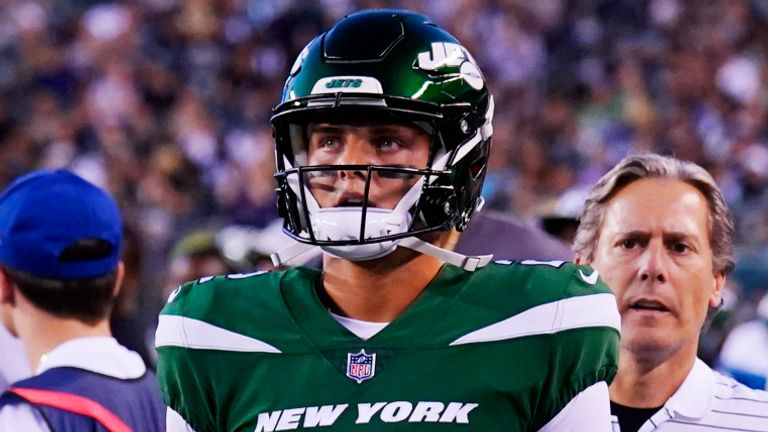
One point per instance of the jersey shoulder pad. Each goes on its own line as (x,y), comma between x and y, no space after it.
(545,281)
(211,295)
(248,304)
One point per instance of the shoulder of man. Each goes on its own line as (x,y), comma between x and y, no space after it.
(735,403)
(208,321)
(514,298)
(18,415)
(528,283)
(559,312)
(248,304)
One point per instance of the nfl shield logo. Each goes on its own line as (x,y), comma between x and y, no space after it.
(361,366)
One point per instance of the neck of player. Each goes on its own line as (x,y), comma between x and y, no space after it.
(648,380)
(378,290)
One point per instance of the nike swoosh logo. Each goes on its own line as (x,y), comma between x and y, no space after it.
(591,279)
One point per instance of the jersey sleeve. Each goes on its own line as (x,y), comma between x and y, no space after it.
(203,323)
(583,350)
(588,411)
(183,386)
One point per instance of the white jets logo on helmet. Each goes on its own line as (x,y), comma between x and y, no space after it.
(445,54)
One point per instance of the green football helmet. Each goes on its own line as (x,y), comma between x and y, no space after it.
(385,65)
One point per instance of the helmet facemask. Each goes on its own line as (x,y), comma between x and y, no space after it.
(371,206)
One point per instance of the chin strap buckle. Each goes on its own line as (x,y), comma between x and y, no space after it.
(282,257)
(469,263)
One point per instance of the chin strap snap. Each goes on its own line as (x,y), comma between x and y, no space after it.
(282,257)
(469,263)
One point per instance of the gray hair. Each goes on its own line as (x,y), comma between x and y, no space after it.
(636,167)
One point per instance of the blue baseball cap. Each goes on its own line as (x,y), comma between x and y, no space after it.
(45,212)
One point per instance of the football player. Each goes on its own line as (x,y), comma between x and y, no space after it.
(382,142)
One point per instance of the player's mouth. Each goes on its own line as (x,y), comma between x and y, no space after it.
(353,200)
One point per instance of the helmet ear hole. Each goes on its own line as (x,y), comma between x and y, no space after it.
(437,206)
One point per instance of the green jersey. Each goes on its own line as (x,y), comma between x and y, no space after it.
(503,348)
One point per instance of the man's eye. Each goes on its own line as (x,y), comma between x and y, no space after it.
(329,142)
(388,143)
(628,243)
(680,248)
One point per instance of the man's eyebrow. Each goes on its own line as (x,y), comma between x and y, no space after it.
(680,235)
(325,127)
(667,235)
(632,233)
(390,127)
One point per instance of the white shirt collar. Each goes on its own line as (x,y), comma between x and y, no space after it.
(693,399)
(100,354)
(362,329)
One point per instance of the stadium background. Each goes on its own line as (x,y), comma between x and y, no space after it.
(166,104)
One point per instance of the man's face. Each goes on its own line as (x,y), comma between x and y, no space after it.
(364,144)
(6,304)
(653,251)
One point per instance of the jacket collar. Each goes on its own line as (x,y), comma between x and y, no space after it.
(102,355)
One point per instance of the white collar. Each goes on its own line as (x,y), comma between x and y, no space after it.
(693,399)
(362,329)
(100,354)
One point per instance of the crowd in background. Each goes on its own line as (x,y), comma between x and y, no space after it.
(166,103)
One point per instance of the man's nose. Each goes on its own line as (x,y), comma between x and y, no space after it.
(653,262)
(356,152)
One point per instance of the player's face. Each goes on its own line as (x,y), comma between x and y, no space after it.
(364,144)
(653,251)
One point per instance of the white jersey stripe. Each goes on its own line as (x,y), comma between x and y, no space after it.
(174,330)
(596,310)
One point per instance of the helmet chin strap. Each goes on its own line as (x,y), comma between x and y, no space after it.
(288,254)
(469,263)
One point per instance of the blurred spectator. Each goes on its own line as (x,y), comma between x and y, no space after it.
(195,256)
(231,249)
(744,355)
(563,220)
(129,321)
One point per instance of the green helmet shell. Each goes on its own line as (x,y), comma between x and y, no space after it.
(393,63)
(403,52)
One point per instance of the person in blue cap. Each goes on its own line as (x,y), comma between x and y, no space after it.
(60,270)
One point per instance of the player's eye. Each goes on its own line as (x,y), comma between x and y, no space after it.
(388,143)
(329,142)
